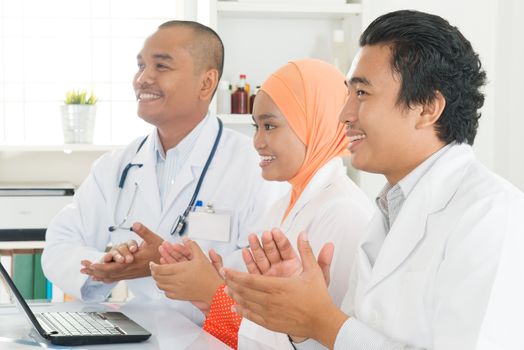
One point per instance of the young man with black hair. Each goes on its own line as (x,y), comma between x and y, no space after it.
(442,264)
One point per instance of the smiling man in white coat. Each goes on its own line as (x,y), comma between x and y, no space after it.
(189,160)
(441,266)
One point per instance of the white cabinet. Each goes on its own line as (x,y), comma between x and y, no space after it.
(48,163)
(259,37)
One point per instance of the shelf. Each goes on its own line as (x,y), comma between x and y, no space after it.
(236,119)
(57,148)
(8,245)
(297,10)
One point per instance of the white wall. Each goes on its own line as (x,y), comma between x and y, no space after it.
(509,69)
(494,29)
(50,47)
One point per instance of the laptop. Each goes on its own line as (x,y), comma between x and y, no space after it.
(79,328)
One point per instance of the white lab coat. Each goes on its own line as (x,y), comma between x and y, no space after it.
(80,230)
(449,273)
(331,209)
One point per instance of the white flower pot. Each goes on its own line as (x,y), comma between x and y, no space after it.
(78,123)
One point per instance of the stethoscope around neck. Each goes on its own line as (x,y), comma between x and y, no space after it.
(180,224)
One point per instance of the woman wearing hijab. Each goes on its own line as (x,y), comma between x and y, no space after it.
(301,141)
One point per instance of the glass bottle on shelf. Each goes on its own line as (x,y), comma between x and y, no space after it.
(239,98)
(252,99)
(247,87)
(224,97)
(340,54)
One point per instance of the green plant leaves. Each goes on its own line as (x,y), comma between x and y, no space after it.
(79,97)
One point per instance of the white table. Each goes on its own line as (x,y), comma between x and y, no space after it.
(171,330)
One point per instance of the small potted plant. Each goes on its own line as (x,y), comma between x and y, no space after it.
(78,117)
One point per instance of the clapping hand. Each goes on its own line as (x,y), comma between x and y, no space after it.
(276,256)
(127,260)
(299,304)
(185,273)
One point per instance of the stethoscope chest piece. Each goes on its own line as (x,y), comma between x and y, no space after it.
(180,225)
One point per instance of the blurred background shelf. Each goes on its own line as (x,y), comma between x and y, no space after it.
(289,10)
(236,119)
(12,245)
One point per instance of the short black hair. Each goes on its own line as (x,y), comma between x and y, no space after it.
(431,55)
(206,49)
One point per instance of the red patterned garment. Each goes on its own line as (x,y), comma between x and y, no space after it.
(221,322)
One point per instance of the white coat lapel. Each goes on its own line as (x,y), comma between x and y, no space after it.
(289,222)
(145,177)
(407,231)
(370,245)
(194,165)
(431,194)
(324,176)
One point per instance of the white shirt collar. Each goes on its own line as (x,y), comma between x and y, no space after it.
(409,181)
(392,197)
(184,146)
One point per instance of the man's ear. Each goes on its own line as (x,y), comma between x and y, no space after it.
(431,111)
(209,84)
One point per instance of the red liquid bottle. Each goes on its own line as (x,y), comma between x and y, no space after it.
(252,99)
(239,98)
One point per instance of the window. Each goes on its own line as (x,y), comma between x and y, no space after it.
(49,47)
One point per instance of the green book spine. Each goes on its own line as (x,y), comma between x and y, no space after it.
(23,271)
(39,286)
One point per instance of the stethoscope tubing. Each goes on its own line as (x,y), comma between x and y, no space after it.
(180,223)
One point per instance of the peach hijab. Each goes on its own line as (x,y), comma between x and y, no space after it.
(310,94)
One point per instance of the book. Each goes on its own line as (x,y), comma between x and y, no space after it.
(39,280)
(23,272)
(25,268)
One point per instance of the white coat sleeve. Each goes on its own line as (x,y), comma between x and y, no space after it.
(355,335)
(502,324)
(78,233)
(478,301)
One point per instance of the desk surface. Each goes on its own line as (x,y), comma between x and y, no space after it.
(170,329)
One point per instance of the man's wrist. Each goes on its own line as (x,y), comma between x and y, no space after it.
(328,324)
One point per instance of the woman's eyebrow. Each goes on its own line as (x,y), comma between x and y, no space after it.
(263,117)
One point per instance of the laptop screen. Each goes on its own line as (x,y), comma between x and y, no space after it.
(21,301)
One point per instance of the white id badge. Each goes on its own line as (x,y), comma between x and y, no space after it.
(211,226)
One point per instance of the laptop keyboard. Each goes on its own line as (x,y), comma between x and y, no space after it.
(80,323)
